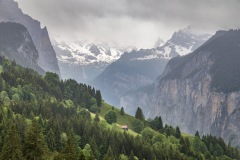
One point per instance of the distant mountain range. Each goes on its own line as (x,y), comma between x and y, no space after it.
(139,68)
(83,60)
(10,12)
(199,91)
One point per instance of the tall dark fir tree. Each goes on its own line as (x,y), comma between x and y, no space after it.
(139,114)
(12,148)
(98,98)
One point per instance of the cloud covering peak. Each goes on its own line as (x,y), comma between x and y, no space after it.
(131,22)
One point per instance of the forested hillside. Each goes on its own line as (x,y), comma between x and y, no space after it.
(47,118)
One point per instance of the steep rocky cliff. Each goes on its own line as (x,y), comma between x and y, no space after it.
(9,11)
(200,91)
(139,68)
(16,44)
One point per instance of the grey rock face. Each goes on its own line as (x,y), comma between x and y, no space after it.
(9,11)
(16,44)
(186,95)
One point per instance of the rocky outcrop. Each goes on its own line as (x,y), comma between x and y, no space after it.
(193,94)
(16,44)
(9,11)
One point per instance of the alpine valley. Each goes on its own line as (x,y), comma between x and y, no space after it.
(200,90)
(177,101)
(140,68)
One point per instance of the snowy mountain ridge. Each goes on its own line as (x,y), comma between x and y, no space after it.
(181,43)
(86,53)
(140,68)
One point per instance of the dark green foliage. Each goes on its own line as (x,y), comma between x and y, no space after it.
(185,145)
(138,125)
(35,146)
(111,117)
(94,109)
(12,148)
(131,157)
(109,155)
(122,111)
(70,151)
(217,147)
(81,156)
(98,98)
(178,133)
(52,78)
(197,134)
(85,114)
(139,114)
(96,118)
(157,123)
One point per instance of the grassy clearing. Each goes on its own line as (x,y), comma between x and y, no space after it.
(186,135)
(121,119)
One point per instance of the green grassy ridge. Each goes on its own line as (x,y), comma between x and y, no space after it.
(125,119)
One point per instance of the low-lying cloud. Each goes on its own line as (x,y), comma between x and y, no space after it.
(130,22)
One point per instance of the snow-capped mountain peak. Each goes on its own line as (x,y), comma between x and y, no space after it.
(181,43)
(187,40)
(84,60)
(159,43)
(85,53)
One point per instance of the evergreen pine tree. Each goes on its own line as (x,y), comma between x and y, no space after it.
(131,156)
(88,153)
(197,134)
(109,155)
(160,123)
(96,118)
(70,151)
(123,151)
(122,111)
(98,98)
(35,146)
(81,156)
(94,148)
(139,114)
(12,148)
(178,133)
(50,138)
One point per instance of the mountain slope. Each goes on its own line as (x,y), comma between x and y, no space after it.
(83,61)
(139,68)
(16,44)
(48,110)
(200,90)
(9,11)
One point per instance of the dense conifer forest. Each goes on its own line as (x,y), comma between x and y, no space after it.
(44,117)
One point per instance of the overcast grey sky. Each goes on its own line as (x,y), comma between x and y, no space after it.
(130,22)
